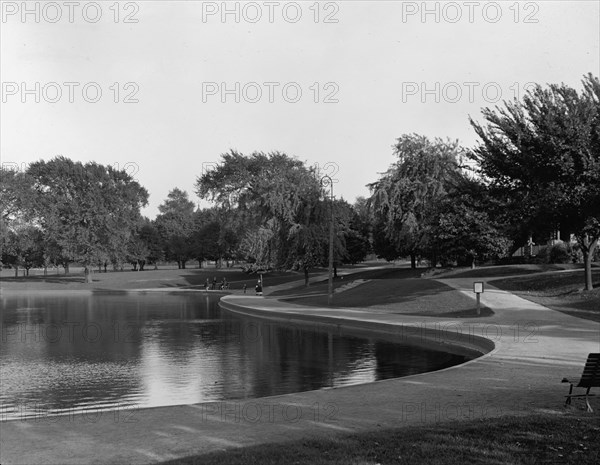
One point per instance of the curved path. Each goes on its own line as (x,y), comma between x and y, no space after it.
(535,347)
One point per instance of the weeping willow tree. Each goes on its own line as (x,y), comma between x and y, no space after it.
(285,200)
(405,199)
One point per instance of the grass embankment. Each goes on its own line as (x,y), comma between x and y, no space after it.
(567,439)
(147,279)
(505,270)
(561,291)
(390,290)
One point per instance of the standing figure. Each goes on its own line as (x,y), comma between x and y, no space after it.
(258,288)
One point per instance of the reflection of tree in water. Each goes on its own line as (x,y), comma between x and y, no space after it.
(288,359)
(395,361)
(165,349)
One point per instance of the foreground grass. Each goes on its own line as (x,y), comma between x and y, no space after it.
(552,438)
(558,291)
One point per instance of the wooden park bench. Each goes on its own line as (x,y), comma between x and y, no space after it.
(590,378)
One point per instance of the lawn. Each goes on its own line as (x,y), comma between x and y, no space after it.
(391,290)
(504,270)
(559,291)
(150,278)
(570,438)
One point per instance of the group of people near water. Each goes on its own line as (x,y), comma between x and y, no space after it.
(225,285)
(215,285)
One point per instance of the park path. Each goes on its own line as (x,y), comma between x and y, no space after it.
(534,348)
(320,277)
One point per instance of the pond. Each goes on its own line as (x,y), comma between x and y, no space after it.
(71,353)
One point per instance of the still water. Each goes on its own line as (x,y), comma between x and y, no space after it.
(70,353)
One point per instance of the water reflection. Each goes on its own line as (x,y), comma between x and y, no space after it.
(76,352)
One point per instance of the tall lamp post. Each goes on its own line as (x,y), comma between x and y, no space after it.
(326,181)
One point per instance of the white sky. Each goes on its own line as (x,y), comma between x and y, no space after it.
(379,58)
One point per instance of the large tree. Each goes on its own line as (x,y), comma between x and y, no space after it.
(216,234)
(16,199)
(542,155)
(176,224)
(23,246)
(150,236)
(405,199)
(284,202)
(465,229)
(88,210)
(358,238)
(16,195)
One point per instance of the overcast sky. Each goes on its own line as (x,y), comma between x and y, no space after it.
(331,83)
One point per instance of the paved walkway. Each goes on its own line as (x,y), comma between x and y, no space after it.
(534,349)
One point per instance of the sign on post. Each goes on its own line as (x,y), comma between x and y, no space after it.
(478,290)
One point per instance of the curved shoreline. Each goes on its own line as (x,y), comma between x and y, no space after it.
(535,348)
(413,333)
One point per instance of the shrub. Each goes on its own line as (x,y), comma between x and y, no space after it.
(560,252)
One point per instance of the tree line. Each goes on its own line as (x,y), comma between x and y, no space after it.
(534,171)
(60,212)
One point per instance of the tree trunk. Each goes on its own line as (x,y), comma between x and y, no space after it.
(16,271)
(587,265)
(413,261)
(88,274)
(472,263)
(306,283)
(142,264)
(200,264)
(66,268)
(588,247)
(46,270)
(183,264)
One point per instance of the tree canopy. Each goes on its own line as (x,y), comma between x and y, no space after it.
(288,227)
(406,197)
(87,210)
(542,156)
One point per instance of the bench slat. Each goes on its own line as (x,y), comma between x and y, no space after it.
(591,372)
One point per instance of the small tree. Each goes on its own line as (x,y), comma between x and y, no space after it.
(175,224)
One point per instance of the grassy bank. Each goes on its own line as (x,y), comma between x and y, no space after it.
(570,438)
(505,270)
(561,291)
(150,278)
(391,290)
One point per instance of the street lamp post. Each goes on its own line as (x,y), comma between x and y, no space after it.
(325,182)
